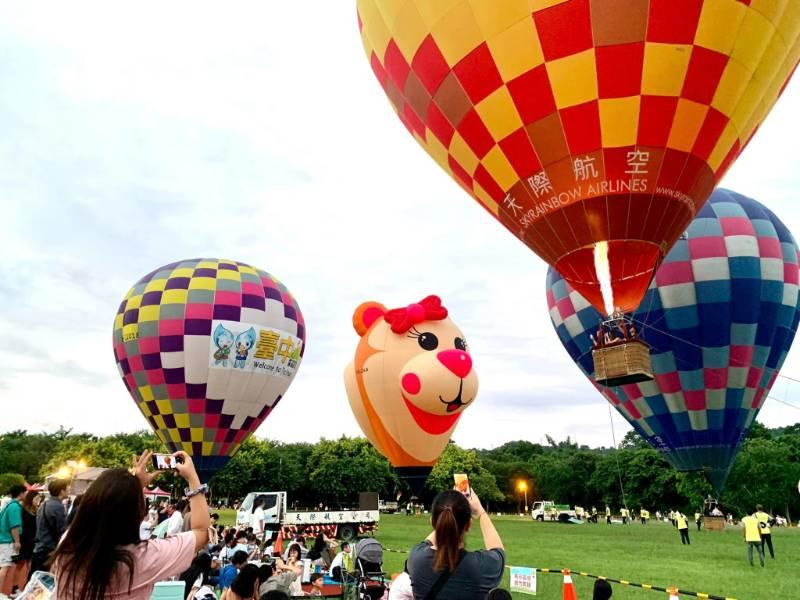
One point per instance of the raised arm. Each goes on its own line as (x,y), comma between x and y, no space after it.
(491,539)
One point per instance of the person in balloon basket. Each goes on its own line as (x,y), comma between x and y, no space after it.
(752,537)
(51,522)
(764,522)
(101,555)
(682,523)
(441,568)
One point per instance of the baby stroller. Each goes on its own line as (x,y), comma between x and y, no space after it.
(369,576)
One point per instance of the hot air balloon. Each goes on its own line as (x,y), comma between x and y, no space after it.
(592,130)
(206,349)
(409,383)
(721,316)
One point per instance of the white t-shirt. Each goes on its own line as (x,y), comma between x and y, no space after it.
(338,561)
(401,588)
(145,529)
(257,521)
(175,524)
(226,554)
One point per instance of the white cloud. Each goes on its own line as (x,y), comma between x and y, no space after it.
(136,136)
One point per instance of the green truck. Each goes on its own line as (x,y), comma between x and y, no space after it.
(547,510)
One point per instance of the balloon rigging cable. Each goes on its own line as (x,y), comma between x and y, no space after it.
(644,326)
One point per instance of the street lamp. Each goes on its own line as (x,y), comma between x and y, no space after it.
(523,487)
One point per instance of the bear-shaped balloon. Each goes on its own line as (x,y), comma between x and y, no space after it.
(410,382)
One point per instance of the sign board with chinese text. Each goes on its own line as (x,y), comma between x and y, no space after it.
(523,580)
(324,517)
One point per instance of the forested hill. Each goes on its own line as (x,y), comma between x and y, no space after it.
(766,471)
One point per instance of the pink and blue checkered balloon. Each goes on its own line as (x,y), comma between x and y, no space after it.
(207,348)
(720,315)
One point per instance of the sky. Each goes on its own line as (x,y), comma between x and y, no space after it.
(132,137)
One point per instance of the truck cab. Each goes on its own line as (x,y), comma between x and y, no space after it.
(549,510)
(274,506)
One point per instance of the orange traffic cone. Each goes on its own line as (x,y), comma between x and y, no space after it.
(673,593)
(569,587)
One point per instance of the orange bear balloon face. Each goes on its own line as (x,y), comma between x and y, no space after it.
(410,381)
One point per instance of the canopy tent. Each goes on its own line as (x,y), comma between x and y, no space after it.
(82,481)
(155,493)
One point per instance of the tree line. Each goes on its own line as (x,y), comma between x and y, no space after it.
(333,472)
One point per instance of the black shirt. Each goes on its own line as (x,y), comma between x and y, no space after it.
(51,521)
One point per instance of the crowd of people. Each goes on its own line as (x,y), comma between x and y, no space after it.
(109,543)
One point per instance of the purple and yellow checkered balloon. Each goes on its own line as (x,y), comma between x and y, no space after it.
(720,316)
(207,348)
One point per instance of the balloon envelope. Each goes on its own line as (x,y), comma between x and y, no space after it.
(592,130)
(206,349)
(409,383)
(720,315)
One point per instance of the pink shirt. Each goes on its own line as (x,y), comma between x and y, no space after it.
(155,560)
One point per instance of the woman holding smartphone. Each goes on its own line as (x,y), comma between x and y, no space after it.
(101,555)
(441,568)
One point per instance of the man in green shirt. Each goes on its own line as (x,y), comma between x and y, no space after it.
(10,531)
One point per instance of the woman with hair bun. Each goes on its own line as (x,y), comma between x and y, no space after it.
(441,568)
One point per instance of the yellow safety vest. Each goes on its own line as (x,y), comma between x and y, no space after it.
(763,521)
(696,516)
(682,524)
(751,531)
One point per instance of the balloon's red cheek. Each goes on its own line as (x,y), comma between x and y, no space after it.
(411,383)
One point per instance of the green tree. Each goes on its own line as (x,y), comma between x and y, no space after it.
(340,469)
(765,472)
(9,479)
(458,460)
(95,452)
(24,453)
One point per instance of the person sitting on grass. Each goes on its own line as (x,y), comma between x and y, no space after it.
(498,594)
(196,578)
(317,582)
(101,555)
(275,595)
(282,577)
(342,563)
(244,586)
(602,590)
(230,571)
(320,553)
(441,567)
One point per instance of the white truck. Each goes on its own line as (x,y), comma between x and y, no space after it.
(341,524)
(547,510)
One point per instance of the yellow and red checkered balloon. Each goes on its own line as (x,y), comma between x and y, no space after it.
(206,349)
(593,130)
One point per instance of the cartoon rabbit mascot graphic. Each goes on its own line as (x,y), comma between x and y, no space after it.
(410,382)
(244,341)
(223,340)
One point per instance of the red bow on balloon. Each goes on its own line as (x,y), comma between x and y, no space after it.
(427,309)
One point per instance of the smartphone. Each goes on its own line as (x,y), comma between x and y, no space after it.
(164,462)
(462,483)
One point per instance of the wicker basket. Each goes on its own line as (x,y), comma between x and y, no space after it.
(714,523)
(622,363)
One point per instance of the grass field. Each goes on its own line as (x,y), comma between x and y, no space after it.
(715,563)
